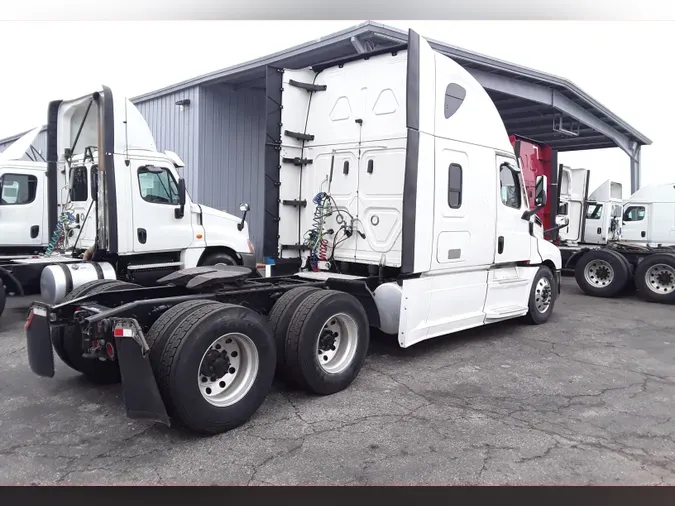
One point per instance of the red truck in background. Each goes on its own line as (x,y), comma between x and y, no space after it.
(535,160)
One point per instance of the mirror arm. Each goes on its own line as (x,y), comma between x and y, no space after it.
(240,225)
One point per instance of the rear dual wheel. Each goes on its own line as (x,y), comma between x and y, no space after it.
(602,273)
(655,278)
(214,364)
(322,338)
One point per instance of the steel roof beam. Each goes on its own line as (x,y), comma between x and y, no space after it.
(552,98)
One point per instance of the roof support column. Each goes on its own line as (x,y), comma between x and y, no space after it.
(635,175)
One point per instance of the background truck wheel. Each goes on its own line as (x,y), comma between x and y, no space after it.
(3,297)
(542,297)
(655,278)
(219,258)
(602,273)
(216,368)
(68,340)
(280,318)
(327,341)
(164,325)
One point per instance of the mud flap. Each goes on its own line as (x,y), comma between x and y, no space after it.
(39,342)
(139,388)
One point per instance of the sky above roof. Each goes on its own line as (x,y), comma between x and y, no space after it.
(619,63)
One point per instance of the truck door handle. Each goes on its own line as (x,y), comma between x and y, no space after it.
(599,230)
(643,233)
(142,235)
(34,231)
(500,244)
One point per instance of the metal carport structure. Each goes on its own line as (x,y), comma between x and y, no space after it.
(534,105)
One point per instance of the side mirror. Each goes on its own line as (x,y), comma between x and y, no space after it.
(244,208)
(94,182)
(180,212)
(539,197)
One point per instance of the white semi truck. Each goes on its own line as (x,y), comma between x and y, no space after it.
(395,201)
(612,245)
(133,222)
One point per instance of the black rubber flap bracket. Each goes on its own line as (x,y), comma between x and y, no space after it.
(232,274)
(308,86)
(39,342)
(139,388)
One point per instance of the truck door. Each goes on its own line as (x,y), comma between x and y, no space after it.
(597,224)
(635,223)
(513,233)
(22,211)
(573,190)
(155,200)
(80,203)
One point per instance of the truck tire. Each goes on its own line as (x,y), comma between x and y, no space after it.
(219,258)
(655,278)
(542,296)
(602,273)
(327,342)
(67,340)
(161,330)
(280,318)
(3,297)
(232,343)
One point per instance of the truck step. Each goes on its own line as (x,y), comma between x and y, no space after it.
(295,203)
(46,260)
(297,161)
(308,86)
(298,135)
(163,265)
(506,312)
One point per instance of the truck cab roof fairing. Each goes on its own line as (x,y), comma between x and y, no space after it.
(19,147)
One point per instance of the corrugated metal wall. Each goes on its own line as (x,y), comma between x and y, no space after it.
(177,131)
(231,154)
(40,143)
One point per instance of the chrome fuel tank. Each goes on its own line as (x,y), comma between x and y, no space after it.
(59,280)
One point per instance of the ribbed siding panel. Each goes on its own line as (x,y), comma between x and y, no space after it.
(177,131)
(231,154)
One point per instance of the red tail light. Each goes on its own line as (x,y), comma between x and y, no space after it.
(29,320)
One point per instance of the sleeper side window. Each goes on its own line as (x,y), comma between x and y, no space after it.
(454,97)
(455,186)
(509,185)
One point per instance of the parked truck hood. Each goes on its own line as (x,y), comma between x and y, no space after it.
(215,213)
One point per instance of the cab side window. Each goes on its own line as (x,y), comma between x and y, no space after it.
(17,189)
(158,186)
(509,184)
(634,213)
(594,212)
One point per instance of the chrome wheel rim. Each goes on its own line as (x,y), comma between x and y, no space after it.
(228,369)
(337,343)
(543,295)
(599,273)
(660,278)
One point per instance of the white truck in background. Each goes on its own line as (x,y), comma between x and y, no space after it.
(135,222)
(395,200)
(613,245)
